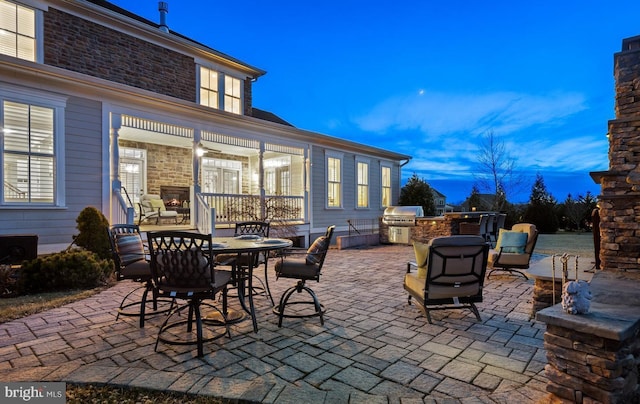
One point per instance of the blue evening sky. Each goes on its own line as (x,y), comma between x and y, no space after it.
(430,78)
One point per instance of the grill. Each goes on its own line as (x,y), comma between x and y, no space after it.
(400,220)
(402,215)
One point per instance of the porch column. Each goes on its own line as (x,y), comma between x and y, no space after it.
(263,210)
(307,184)
(116,125)
(197,159)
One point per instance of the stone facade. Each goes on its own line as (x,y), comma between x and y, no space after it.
(76,44)
(584,367)
(166,165)
(595,357)
(427,228)
(620,197)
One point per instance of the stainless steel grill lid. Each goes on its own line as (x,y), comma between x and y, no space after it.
(402,215)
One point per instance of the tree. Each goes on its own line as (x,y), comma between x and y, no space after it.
(475,200)
(417,192)
(496,171)
(541,209)
(577,212)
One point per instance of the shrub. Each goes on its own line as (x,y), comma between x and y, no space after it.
(74,269)
(93,232)
(8,280)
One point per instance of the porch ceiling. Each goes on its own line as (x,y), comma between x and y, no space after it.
(147,136)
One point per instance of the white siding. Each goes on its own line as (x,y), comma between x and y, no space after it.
(83,180)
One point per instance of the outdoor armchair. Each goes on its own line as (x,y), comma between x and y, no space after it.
(513,249)
(450,274)
(303,266)
(152,207)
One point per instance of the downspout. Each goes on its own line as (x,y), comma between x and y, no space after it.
(400,178)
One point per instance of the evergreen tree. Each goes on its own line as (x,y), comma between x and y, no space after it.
(417,192)
(475,200)
(541,209)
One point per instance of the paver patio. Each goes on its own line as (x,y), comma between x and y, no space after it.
(373,348)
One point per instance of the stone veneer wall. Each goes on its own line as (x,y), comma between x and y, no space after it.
(427,228)
(584,365)
(111,55)
(165,165)
(620,197)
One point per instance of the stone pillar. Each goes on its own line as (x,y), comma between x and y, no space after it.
(620,185)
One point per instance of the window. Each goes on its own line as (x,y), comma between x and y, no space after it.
(17,31)
(209,94)
(221,176)
(220,91)
(232,95)
(28,153)
(132,172)
(363,185)
(277,177)
(334,182)
(386,186)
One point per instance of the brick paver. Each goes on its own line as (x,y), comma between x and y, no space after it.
(373,347)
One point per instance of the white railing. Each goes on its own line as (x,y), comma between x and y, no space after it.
(205,216)
(232,208)
(121,213)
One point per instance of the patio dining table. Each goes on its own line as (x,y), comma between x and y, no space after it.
(250,245)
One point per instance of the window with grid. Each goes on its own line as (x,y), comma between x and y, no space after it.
(386,186)
(334,182)
(232,95)
(209,93)
(28,153)
(17,31)
(363,185)
(132,172)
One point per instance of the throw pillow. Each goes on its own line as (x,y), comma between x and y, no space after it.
(421,250)
(129,248)
(511,241)
(318,245)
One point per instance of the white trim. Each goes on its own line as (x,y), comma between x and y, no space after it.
(338,156)
(37,4)
(358,160)
(58,104)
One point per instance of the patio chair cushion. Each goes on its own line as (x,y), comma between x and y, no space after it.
(129,247)
(157,204)
(511,241)
(421,251)
(313,256)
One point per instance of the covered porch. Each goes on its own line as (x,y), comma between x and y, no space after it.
(221,178)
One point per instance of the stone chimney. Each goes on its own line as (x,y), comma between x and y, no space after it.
(163,7)
(619,200)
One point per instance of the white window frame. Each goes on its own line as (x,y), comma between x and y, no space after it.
(226,94)
(232,95)
(385,188)
(58,105)
(38,7)
(329,155)
(363,184)
(127,156)
(209,89)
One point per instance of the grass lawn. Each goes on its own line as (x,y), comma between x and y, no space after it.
(566,242)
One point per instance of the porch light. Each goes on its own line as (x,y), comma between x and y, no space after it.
(200,151)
